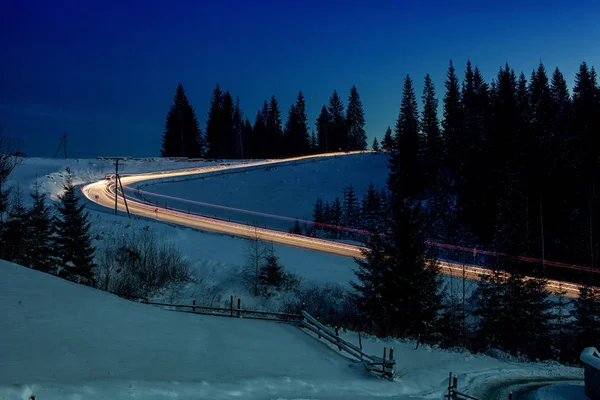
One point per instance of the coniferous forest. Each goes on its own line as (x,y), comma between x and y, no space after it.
(510,165)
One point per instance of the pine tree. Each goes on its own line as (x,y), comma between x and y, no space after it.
(586,312)
(228,139)
(357,137)
(247,140)
(314,144)
(406,168)
(73,241)
(238,129)
(296,132)
(351,208)
(214,125)
(182,136)
(336,217)
(274,129)
(452,123)
(375,146)
(41,234)
(296,229)
(387,143)
(16,232)
(431,129)
(490,308)
(259,139)
(371,210)
(323,131)
(338,128)
(399,285)
(271,275)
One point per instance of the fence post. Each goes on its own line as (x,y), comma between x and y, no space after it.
(360,345)
(391,353)
(231,307)
(450,385)
(510,396)
(455,386)
(239,308)
(193,305)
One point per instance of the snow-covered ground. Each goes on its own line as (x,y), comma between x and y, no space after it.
(59,340)
(288,191)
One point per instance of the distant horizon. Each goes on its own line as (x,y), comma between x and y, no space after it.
(106,73)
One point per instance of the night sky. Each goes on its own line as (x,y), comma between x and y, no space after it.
(106,71)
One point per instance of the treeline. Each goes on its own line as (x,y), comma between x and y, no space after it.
(58,242)
(349,218)
(399,291)
(513,164)
(230,135)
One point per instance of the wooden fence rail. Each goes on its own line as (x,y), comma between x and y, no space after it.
(381,366)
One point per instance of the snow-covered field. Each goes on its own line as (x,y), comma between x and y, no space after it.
(59,340)
(288,191)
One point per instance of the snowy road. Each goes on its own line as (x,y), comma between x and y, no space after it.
(103,193)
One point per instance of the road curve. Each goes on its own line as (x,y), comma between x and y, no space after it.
(103,193)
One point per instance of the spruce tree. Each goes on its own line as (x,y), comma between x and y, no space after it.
(586,314)
(16,232)
(371,210)
(296,132)
(271,276)
(406,175)
(431,129)
(351,208)
(387,143)
(41,234)
(228,139)
(296,229)
(274,132)
(182,136)
(324,131)
(238,130)
(338,128)
(214,125)
(258,143)
(355,116)
(375,146)
(314,144)
(452,123)
(73,241)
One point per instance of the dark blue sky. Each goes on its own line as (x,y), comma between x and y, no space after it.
(106,71)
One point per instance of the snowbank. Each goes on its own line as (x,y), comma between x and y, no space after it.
(591,357)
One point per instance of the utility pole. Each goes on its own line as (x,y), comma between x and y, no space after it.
(63,143)
(118,184)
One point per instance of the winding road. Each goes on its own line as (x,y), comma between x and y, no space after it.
(104,192)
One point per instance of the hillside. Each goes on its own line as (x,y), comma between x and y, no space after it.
(60,340)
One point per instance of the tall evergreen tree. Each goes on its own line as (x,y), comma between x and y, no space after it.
(387,143)
(296,137)
(355,115)
(73,241)
(338,128)
(586,313)
(182,136)
(274,129)
(41,234)
(214,125)
(375,147)
(324,131)
(15,232)
(371,210)
(238,130)
(258,143)
(228,134)
(406,167)
(314,144)
(453,123)
(351,208)
(431,129)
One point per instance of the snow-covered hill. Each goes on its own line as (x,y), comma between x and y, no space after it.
(59,340)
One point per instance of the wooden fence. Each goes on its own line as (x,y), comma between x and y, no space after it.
(380,366)
(233,311)
(454,394)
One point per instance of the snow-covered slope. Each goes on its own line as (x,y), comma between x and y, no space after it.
(289,191)
(59,340)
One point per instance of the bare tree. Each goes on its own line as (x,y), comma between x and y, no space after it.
(255,258)
(10,157)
